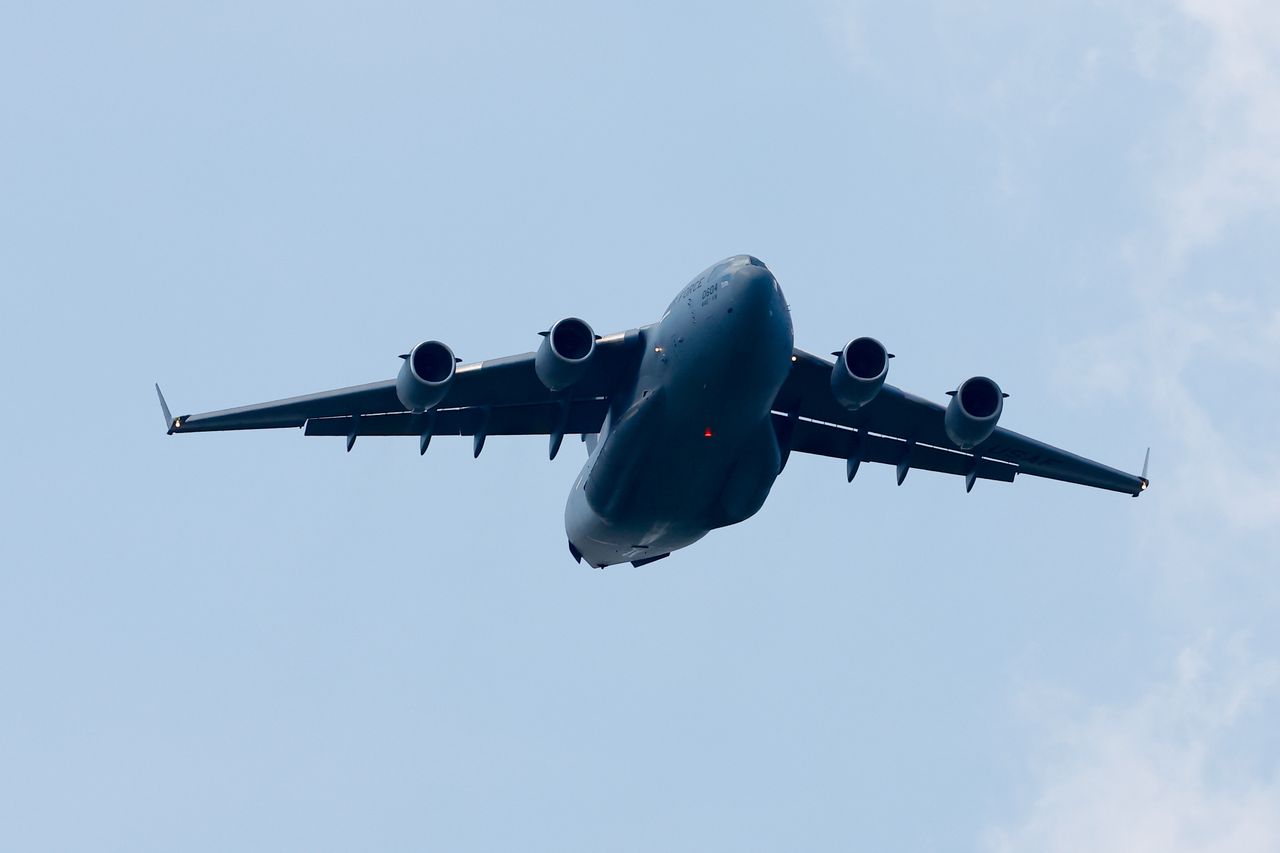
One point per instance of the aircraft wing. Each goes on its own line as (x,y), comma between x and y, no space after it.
(497,397)
(901,429)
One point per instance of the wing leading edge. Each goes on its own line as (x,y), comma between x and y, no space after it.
(907,431)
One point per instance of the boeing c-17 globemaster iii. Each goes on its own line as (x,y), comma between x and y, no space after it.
(687,421)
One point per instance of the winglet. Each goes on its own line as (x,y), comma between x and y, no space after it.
(170,424)
(1146,461)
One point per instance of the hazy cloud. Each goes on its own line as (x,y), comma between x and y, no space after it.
(1174,769)
(1215,167)
(1178,768)
(1169,772)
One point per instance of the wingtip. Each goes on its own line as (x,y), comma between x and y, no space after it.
(1143,480)
(169,423)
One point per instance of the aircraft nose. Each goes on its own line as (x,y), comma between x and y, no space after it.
(757,336)
(754,290)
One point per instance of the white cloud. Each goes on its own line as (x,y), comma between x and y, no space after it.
(1165,773)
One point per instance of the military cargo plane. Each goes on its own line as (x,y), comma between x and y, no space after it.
(688,421)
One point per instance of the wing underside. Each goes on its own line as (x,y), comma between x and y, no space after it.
(577,416)
(497,397)
(858,446)
(901,429)
(504,397)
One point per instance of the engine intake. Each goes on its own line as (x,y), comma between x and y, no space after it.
(565,353)
(973,412)
(425,376)
(859,372)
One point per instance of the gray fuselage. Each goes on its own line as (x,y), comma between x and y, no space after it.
(691,446)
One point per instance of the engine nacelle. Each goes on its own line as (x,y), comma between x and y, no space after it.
(859,372)
(425,376)
(973,412)
(565,353)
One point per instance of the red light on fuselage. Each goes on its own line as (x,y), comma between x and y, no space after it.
(706,433)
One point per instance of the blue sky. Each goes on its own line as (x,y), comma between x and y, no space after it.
(258,641)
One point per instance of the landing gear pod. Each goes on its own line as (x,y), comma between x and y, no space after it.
(973,412)
(425,376)
(565,353)
(859,372)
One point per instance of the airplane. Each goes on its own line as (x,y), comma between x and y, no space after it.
(687,422)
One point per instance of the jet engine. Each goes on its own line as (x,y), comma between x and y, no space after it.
(565,353)
(974,409)
(859,372)
(425,376)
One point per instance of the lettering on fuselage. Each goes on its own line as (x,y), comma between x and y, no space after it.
(710,293)
(700,292)
(690,288)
